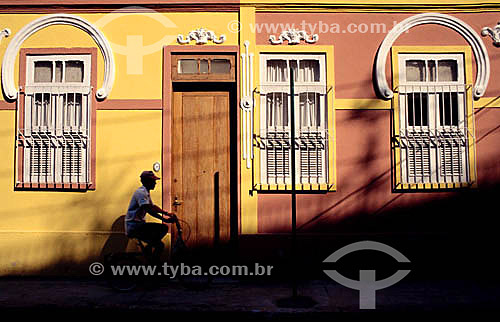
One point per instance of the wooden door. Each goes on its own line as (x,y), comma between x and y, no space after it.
(200,166)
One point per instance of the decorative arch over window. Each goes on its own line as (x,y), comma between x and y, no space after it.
(478,48)
(9,59)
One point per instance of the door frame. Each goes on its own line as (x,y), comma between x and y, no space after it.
(167,99)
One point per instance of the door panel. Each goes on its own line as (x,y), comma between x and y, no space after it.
(200,165)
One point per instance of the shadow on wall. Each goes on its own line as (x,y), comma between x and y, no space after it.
(117,240)
(75,233)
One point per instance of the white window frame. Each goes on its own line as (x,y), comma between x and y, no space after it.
(321,132)
(428,144)
(67,130)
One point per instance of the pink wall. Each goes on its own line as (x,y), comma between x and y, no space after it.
(364,187)
(355,52)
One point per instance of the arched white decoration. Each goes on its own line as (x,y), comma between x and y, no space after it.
(9,59)
(480,53)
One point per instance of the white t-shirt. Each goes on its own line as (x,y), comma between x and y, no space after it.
(135,213)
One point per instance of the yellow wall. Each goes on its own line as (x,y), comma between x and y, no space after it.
(40,229)
(62,232)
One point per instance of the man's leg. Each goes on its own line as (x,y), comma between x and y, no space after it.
(153,233)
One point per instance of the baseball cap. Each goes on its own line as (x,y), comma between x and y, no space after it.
(149,175)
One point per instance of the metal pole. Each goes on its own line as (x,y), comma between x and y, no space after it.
(292,170)
(295,301)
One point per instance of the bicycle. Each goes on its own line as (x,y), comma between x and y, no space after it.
(130,263)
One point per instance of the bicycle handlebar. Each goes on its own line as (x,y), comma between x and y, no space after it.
(177,223)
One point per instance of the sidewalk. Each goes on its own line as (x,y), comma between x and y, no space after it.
(243,299)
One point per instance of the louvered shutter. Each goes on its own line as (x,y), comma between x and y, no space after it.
(419,160)
(278,156)
(312,157)
(452,159)
(417,157)
(40,158)
(72,159)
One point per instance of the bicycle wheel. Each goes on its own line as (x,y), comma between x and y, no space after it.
(121,271)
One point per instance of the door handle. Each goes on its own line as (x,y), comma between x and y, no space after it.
(177,201)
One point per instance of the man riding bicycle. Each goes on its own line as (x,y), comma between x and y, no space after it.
(135,223)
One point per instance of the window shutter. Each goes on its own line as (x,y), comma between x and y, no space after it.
(451,156)
(278,156)
(419,161)
(278,162)
(40,157)
(312,154)
(311,162)
(72,158)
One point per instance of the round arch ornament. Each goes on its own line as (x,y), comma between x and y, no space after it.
(474,40)
(8,84)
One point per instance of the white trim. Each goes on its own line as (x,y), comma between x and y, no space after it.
(293,36)
(480,52)
(201,36)
(494,34)
(9,59)
(247,104)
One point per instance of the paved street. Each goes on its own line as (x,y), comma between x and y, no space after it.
(242,298)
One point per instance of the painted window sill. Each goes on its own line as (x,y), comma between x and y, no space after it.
(300,188)
(430,187)
(55,186)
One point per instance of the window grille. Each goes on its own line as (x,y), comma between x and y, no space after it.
(54,126)
(311,145)
(432,118)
